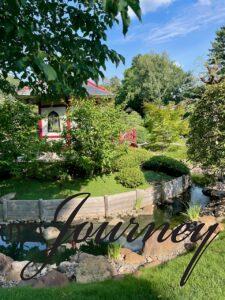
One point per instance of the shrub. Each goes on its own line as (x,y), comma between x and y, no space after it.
(133,158)
(95,138)
(167,165)
(202,179)
(166,124)
(131,177)
(44,170)
(91,247)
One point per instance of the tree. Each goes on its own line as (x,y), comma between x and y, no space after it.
(217,52)
(166,124)
(114,85)
(152,78)
(56,46)
(95,138)
(206,144)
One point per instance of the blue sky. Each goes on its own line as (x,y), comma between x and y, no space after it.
(182,28)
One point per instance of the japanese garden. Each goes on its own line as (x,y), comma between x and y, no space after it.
(145,147)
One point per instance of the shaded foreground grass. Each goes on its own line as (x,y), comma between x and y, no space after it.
(206,282)
(28,189)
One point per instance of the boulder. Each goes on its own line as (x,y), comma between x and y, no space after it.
(93,268)
(134,259)
(5,263)
(68,268)
(209,221)
(50,233)
(51,279)
(163,251)
(14,272)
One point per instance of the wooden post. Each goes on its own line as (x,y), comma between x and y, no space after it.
(106,206)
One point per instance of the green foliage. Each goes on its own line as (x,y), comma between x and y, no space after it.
(18,135)
(44,170)
(153,77)
(64,49)
(201,179)
(193,212)
(131,177)
(95,249)
(166,124)
(113,85)
(134,120)
(95,140)
(217,52)
(207,130)
(134,157)
(166,165)
(114,250)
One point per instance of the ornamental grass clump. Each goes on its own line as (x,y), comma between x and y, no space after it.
(193,212)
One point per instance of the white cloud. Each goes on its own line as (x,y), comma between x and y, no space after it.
(195,18)
(152,5)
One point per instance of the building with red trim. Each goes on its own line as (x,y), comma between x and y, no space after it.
(54,116)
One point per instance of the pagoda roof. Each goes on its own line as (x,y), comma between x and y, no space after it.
(91,87)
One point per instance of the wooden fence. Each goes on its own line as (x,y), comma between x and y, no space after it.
(94,207)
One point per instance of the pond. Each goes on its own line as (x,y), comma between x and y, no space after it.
(22,241)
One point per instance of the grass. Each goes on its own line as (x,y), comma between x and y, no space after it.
(201,179)
(206,282)
(193,212)
(176,151)
(28,189)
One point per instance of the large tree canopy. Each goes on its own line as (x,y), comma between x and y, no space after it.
(55,46)
(153,77)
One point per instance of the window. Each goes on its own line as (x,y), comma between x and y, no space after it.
(53,122)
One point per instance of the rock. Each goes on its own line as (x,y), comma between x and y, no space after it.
(63,247)
(6,197)
(209,221)
(93,268)
(14,272)
(216,191)
(5,263)
(68,268)
(134,259)
(51,279)
(115,221)
(124,252)
(50,233)
(163,251)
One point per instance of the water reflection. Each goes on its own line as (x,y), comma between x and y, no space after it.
(24,236)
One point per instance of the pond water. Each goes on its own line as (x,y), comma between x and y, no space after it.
(23,237)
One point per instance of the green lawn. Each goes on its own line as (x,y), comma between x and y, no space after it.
(206,282)
(105,185)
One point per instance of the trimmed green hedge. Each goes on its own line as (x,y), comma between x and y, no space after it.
(167,165)
(131,177)
(133,158)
